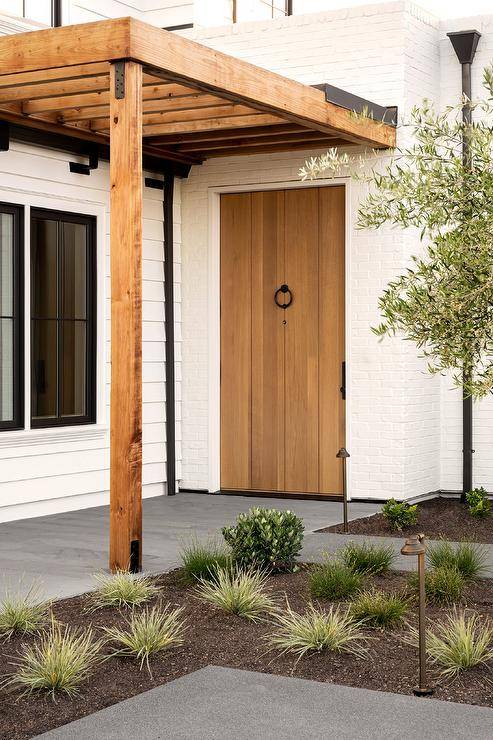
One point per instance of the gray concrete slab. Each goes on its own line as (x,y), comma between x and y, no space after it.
(64,550)
(224,703)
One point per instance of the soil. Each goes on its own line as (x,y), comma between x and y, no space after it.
(439,517)
(215,638)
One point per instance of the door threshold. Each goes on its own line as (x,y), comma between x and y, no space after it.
(282,494)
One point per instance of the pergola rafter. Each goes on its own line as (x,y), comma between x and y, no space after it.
(147,92)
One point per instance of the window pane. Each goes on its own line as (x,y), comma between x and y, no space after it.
(6,369)
(73,256)
(44,369)
(44,269)
(73,344)
(38,10)
(6,264)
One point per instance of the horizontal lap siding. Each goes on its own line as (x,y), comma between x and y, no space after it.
(38,477)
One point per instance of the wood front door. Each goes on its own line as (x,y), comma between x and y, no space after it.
(282,411)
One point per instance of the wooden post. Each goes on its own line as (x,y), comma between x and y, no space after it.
(126,315)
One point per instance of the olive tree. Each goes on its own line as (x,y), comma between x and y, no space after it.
(444,300)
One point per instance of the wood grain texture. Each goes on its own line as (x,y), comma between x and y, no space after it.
(301,359)
(126,317)
(331,335)
(268,268)
(236,348)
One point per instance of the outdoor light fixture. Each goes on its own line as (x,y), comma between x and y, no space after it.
(343,454)
(415,546)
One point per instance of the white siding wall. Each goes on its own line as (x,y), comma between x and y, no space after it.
(384,52)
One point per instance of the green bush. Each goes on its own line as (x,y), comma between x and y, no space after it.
(317,630)
(399,514)
(200,560)
(147,632)
(467,557)
(59,661)
(23,613)
(457,642)
(367,558)
(266,539)
(443,586)
(478,502)
(378,609)
(237,591)
(334,580)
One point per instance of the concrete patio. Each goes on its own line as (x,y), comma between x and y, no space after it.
(64,550)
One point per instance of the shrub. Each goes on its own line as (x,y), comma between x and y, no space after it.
(122,589)
(318,630)
(59,661)
(148,632)
(334,580)
(367,558)
(25,614)
(201,560)
(478,503)
(267,539)
(378,609)
(467,557)
(457,642)
(237,591)
(399,514)
(442,585)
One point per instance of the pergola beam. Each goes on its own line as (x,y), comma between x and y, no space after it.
(126,316)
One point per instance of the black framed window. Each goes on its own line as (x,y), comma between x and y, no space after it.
(63,318)
(243,11)
(11,317)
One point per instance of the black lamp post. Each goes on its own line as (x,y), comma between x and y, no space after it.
(343,454)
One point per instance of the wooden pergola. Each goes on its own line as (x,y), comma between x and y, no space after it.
(148,92)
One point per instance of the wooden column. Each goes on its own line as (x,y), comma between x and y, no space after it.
(126,315)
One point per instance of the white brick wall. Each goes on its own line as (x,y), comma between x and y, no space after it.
(387,53)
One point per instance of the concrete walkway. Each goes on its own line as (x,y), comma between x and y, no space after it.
(64,550)
(224,703)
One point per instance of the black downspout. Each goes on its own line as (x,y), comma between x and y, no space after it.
(465,44)
(169,318)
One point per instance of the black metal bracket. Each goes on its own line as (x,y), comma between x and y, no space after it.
(85,169)
(153,182)
(119,80)
(4,136)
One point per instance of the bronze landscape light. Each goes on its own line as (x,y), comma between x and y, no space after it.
(415,546)
(343,454)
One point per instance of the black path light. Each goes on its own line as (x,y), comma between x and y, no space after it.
(416,546)
(343,454)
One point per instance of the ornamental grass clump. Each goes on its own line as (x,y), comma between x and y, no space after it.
(400,515)
(467,557)
(25,614)
(237,591)
(367,558)
(146,633)
(316,631)
(266,539)
(458,642)
(122,589)
(59,661)
(334,580)
(443,586)
(379,610)
(200,560)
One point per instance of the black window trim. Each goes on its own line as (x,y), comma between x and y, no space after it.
(17,421)
(56,13)
(91,338)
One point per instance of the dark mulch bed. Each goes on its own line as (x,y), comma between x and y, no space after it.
(214,638)
(439,517)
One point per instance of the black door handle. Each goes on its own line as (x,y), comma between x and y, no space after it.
(283,290)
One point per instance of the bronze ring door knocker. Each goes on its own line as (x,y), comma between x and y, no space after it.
(283,290)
